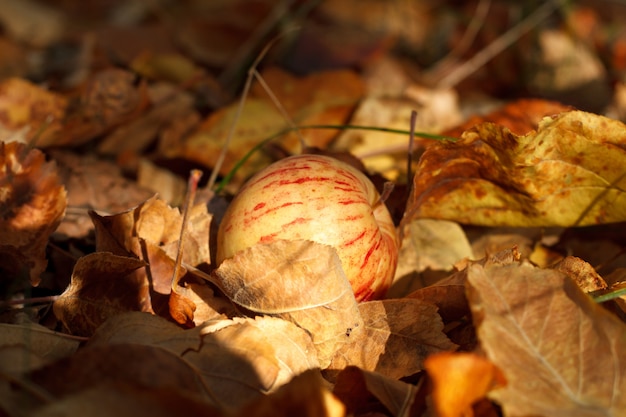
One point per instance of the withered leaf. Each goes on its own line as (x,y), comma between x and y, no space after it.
(460,380)
(30,113)
(321,98)
(561,353)
(300,281)
(32,204)
(365,391)
(237,360)
(108,99)
(305,395)
(568,173)
(150,366)
(102,285)
(122,399)
(42,343)
(398,336)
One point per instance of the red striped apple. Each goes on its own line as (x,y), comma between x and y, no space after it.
(322,199)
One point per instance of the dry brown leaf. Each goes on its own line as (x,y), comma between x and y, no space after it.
(561,353)
(300,281)
(30,113)
(460,380)
(432,244)
(128,400)
(102,285)
(583,274)
(32,202)
(149,366)
(362,392)
(237,361)
(322,98)
(93,184)
(448,295)
(570,172)
(169,105)
(108,99)
(305,395)
(37,345)
(397,337)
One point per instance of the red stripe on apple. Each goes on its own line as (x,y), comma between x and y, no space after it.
(321,199)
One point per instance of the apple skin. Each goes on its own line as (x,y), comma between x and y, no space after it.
(322,199)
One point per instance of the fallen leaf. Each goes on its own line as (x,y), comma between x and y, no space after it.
(448,295)
(323,98)
(20,17)
(368,392)
(397,337)
(305,395)
(30,113)
(561,353)
(520,116)
(93,183)
(102,285)
(432,244)
(237,360)
(299,281)
(129,363)
(42,343)
(583,274)
(460,380)
(108,99)
(32,204)
(128,400)
(568,173)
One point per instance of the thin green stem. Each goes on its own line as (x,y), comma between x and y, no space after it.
(259,145)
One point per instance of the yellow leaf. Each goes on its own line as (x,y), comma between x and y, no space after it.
(571,172)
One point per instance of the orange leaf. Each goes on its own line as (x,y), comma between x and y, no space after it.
(460,379)
(30,112)
(32,202)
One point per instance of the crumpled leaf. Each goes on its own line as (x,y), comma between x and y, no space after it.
(568,173)
(300,281)
(397,337)
(460,380)
(32,204)
(237,360)
(102,285)
(561,353)
(364,391)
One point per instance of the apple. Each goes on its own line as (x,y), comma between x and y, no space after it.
(322,199)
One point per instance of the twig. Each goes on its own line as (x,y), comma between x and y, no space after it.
(242,101)
(500,44)
(192,187)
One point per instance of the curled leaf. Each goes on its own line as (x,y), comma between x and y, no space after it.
(32,204)
(570,172)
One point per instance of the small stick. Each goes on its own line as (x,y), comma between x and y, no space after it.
(242,100)
(192,187)
(470,66)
